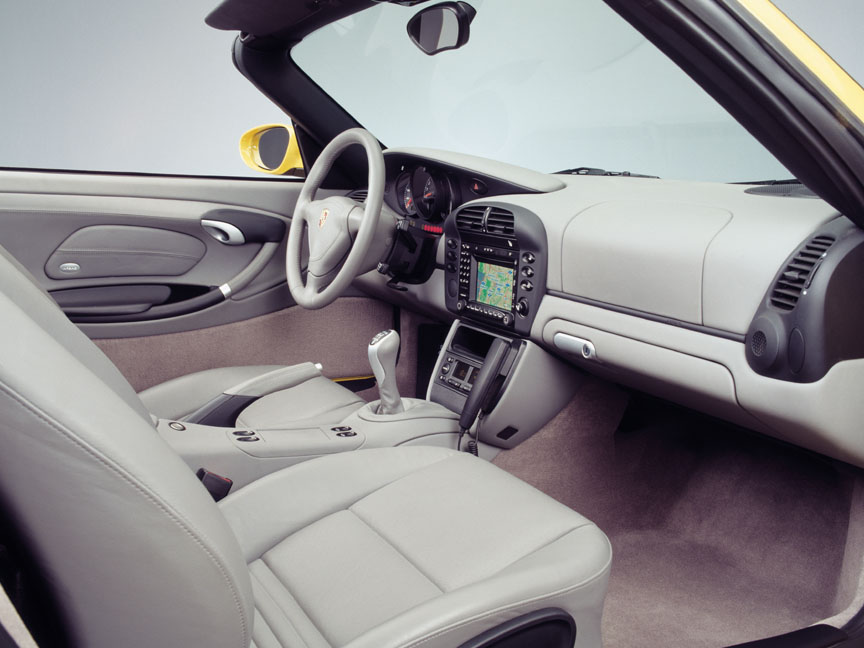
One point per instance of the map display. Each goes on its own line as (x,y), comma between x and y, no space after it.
(495,285)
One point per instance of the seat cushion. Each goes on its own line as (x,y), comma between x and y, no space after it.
(315,401)
(402,546)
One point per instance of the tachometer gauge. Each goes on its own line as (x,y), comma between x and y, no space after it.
(431,192)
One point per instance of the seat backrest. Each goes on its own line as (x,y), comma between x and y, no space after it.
(135,550)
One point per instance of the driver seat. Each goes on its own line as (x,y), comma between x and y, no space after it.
(395,547)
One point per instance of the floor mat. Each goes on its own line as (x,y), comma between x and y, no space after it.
(719,536)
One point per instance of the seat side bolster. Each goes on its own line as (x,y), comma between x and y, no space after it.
(570,573)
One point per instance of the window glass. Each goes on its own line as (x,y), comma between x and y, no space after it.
(123,86)
(548,85)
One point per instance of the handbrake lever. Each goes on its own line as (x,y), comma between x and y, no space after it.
(480,391)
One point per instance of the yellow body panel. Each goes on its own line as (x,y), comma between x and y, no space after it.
(252,156)
(809,53)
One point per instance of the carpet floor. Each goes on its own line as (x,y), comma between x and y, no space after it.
(719,536)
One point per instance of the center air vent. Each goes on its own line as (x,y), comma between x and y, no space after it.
(500,222)
(359,195)
(798,274)
(471,218)
(492,220)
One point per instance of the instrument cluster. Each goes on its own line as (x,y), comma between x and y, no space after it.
(425,193)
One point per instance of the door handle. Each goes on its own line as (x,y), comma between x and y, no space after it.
(223,232)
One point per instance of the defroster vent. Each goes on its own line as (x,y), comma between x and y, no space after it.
(799,272)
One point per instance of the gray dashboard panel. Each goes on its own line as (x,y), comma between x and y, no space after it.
(643,255)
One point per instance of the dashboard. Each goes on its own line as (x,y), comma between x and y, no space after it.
(740,301)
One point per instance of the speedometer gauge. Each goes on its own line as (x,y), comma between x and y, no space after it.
(404,195)
(407,199)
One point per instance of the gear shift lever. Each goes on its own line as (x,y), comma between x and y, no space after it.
(383,350)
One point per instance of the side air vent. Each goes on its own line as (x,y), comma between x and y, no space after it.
(492,220)
(799,272)
(471,218)
(500,222)
(359,195)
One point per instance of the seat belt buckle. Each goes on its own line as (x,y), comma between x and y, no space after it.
(217,485)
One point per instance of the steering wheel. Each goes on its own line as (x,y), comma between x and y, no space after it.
(330,237)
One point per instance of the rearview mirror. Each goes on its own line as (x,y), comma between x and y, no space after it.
(441,27)
(273,149)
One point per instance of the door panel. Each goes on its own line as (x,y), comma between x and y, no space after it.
(336,336)
(120,252)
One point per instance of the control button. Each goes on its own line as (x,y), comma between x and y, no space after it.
(460,305)
(522,307)
(450,359)
(442,378)
(248,439)
(174,425)
(527,286)
(528,271)
(454,383)
(341,428)
(349,433)
(506,319)
(445,368)
(451,255)
(527,257)
(243,433)
(452,288)
(478,187)
(451,267)
(451,243)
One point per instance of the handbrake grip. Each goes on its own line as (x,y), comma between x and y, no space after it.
(484,381)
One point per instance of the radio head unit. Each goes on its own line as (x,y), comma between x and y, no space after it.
(495,265)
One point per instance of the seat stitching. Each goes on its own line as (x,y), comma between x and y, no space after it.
(396,549)
(293,596)
(279,607)
(509,606)
(348,506)
(169,512)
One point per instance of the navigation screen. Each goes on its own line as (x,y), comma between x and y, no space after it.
(495,285)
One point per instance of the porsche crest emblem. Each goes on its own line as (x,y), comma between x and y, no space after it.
(323,217)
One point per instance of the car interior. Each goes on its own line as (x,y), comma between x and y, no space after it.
(418,397)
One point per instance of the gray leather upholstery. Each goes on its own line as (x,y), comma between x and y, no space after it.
(375,548)
(410,546)
(316,401)
(300,395)
(179,397)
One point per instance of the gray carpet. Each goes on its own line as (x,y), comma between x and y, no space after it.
(719,536)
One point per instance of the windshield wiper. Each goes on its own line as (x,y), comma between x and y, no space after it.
(593,171)
(785,181)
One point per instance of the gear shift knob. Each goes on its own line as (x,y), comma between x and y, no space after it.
(383,350)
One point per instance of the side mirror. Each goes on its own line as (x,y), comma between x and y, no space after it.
(272,148)
(441,27)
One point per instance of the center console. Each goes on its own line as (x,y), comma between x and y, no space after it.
(529,387)
(495,268)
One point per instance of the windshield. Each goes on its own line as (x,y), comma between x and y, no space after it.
(546,85)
